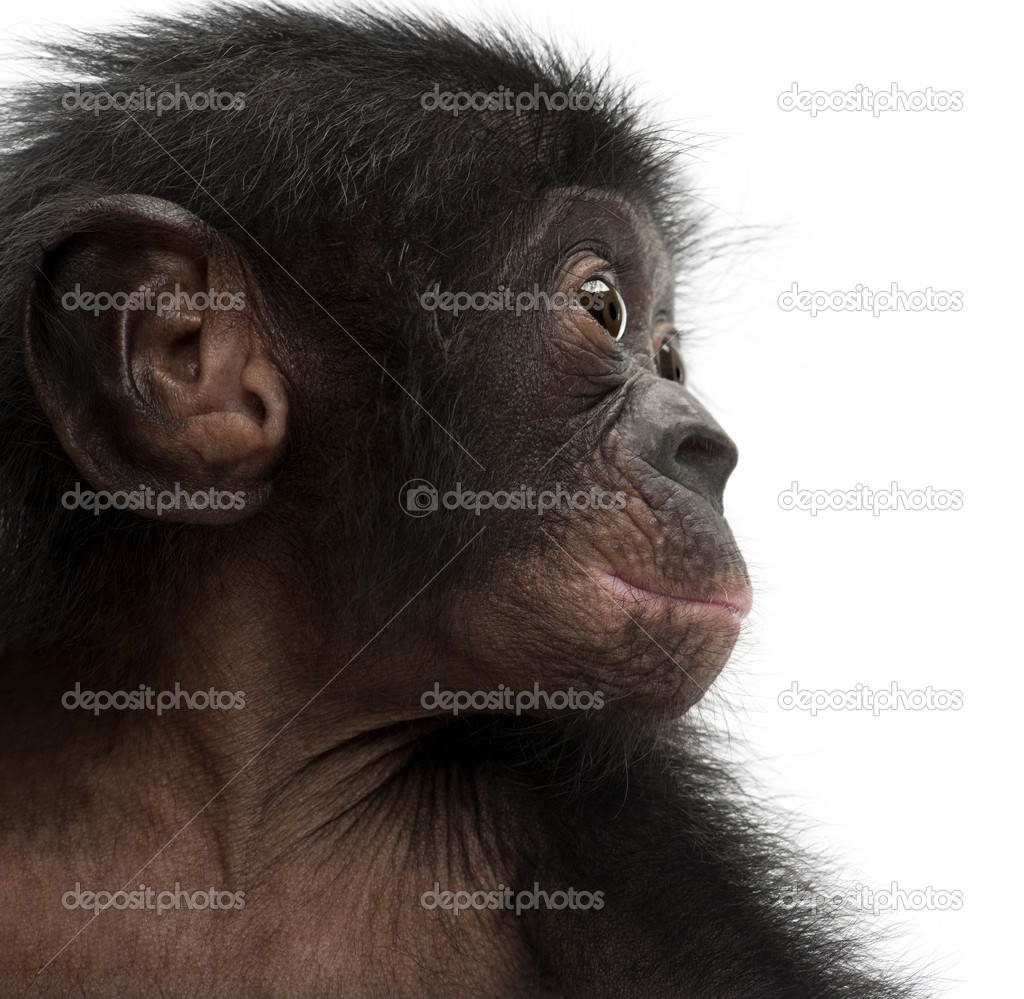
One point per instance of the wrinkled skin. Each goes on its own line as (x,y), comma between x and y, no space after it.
(336,793)
(342,812)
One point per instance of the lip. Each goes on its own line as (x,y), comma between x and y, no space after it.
(735,602)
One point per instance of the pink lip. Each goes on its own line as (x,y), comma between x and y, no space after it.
(737,603)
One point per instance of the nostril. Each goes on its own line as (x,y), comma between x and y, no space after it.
(702,447)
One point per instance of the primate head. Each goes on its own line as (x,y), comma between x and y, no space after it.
(417,333)
(342,367)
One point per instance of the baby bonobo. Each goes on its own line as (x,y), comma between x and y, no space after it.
(362,544)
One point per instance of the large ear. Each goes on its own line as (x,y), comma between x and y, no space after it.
(144,344)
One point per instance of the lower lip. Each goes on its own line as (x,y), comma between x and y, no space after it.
(736,605)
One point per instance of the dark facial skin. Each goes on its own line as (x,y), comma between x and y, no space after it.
(645,602)
(310,771)
(322,800)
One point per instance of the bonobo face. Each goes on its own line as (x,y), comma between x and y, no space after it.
(637,588)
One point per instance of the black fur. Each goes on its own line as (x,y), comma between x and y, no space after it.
(343,192)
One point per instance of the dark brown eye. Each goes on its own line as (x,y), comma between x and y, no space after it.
(605,304)
(670,363)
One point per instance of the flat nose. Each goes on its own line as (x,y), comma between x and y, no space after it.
(676,435)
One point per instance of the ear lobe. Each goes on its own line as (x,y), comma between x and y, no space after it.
(148,352)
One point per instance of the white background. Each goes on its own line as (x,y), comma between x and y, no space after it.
(922,199)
